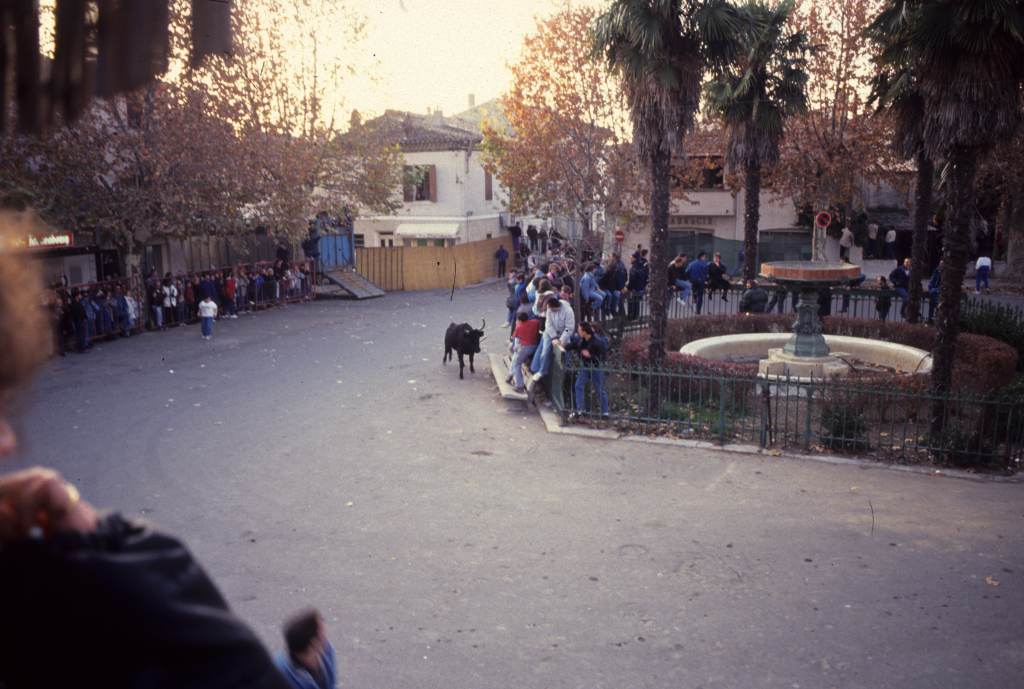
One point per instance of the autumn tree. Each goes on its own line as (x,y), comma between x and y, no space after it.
(561,151)
(838,145)
(286,87)
(1003,169)
(152,163)
(753,96)
(222,148)
(661,52)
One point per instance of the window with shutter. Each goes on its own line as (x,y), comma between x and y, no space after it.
(417,183)
(432,182)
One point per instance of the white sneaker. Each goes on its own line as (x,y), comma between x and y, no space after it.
(536,377)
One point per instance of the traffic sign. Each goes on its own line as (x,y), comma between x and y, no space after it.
(823,220)
(620,236)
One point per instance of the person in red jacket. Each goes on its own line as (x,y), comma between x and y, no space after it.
(230,290)
(526,337)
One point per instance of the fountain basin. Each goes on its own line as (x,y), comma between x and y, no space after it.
(776,363)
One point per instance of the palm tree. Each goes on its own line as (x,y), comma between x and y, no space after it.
(896,89)
(753,96)
(969,57)
(661,49)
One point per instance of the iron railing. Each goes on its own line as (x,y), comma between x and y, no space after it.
(851,303)
(890,423)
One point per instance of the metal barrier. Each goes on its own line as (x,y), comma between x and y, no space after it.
(890,423)
(853,303)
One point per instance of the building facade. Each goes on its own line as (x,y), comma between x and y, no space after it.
(447,196)
(706,214)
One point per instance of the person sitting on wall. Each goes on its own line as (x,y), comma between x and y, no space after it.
(754,298)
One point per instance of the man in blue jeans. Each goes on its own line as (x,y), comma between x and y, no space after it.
(592,349)
(677,278)
(698,274)
(559,324)
(589,290)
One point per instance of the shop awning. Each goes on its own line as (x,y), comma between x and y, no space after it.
(425,230)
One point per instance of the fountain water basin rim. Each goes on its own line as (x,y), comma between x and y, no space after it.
(902,358)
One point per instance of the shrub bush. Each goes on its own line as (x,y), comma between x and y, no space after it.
(1005,325)
(843,426)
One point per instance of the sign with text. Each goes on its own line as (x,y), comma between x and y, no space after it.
(50,240)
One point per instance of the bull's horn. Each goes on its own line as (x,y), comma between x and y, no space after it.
(484,326)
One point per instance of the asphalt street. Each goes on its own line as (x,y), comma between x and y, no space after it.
(321,454)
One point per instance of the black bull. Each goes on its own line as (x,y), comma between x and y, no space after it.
(463,339)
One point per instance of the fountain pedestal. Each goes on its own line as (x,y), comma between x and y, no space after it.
(782,364)
(806,354)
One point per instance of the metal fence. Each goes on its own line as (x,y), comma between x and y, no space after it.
(852,303)
(873,304)
(890,423)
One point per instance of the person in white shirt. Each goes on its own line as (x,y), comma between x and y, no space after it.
(890,243)
(207,312)
(845,242)
(170,299)
(559,324)
(982,268)
(873,240)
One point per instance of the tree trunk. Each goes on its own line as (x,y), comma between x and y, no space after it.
(955,253)
(657,289)
(1013,231)
(919,251)
(751,217)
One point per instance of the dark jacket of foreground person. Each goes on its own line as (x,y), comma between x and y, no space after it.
(754,300)
(125,606)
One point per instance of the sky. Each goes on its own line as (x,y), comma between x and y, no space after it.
(434,53)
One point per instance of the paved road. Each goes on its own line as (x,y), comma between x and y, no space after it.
(321,454)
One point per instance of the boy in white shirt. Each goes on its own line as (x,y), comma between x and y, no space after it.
(207,312)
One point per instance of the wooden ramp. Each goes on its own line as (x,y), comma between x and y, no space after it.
(348,282)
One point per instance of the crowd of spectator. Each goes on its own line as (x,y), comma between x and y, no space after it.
(545,320)
(83,314)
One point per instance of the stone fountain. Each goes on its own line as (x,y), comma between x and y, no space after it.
(807,354)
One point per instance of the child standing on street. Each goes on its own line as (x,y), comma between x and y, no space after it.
(207,312)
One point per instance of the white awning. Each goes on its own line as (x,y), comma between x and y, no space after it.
(426,230)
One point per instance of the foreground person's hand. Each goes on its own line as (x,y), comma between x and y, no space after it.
(37,503)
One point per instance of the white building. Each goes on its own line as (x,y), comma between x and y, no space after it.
(448,197)
(705,214)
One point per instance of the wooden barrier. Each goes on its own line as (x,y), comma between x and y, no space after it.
(382,266)
(428,267)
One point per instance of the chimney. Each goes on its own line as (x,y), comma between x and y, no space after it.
(472,101)
(437,116)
